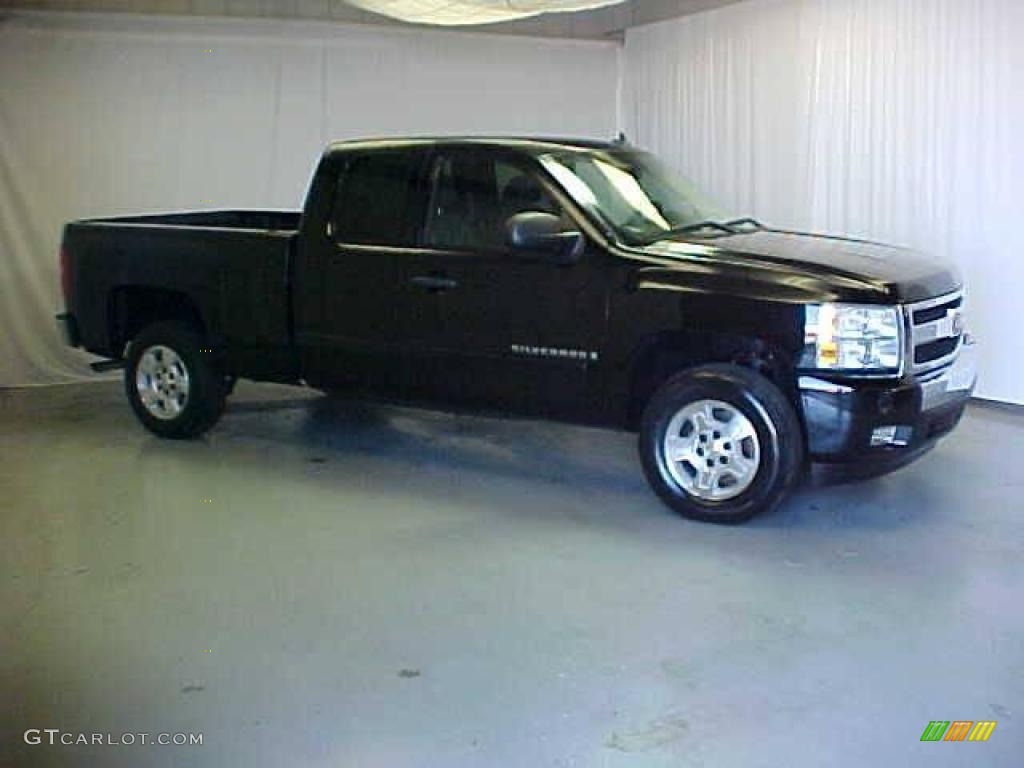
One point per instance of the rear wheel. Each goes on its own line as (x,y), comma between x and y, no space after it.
(173,387)
(720,443)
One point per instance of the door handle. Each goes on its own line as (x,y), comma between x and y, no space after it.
(434,283)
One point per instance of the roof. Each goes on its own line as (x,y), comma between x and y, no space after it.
(525,143)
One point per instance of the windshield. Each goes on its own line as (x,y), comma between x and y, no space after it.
(634,193)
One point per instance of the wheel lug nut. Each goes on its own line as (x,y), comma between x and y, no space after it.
(724,459)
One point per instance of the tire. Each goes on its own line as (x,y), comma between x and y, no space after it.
(166,364)
(720,443)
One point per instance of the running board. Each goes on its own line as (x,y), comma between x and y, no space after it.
(107,365)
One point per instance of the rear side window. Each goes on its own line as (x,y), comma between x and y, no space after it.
(379,199)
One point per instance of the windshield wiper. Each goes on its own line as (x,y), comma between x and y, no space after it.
(745,221)
(709,224)
(728,227)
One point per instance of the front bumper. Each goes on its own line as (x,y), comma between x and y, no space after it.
(883,425)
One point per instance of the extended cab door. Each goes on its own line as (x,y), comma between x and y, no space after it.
(372,223)
(510,330)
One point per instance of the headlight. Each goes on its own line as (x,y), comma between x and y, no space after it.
(854,338)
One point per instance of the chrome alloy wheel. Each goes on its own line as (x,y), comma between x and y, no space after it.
(711,450)
(161,380)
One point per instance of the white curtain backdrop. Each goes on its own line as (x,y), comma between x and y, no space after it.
(113,114)
(899,120)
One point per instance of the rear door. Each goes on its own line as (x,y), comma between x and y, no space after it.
(374,224)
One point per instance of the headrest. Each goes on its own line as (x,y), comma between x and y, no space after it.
(522,190)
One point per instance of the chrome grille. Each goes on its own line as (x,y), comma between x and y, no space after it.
(936,332)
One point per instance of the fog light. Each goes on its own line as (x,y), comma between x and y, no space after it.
(891,435)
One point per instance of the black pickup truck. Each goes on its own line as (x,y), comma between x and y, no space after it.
(574,280)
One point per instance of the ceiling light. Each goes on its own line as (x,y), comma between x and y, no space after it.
(468,12)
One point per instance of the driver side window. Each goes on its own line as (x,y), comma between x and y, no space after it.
(475,195)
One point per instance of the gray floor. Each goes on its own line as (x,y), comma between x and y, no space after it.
(332,584)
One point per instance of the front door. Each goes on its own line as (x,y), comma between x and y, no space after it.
(508,330)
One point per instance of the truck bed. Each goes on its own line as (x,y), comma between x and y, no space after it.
(231,268)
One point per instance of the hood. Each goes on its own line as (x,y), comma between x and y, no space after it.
(812,267)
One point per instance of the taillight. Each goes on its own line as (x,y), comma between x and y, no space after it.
(65,273)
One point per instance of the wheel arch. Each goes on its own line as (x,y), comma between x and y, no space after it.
(130,308)
(666,354)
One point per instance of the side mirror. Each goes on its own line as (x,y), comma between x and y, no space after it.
(542,234)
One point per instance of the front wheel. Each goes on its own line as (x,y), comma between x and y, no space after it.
(720,443)
(174,388)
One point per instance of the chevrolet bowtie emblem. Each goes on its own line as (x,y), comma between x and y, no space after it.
(956,321)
